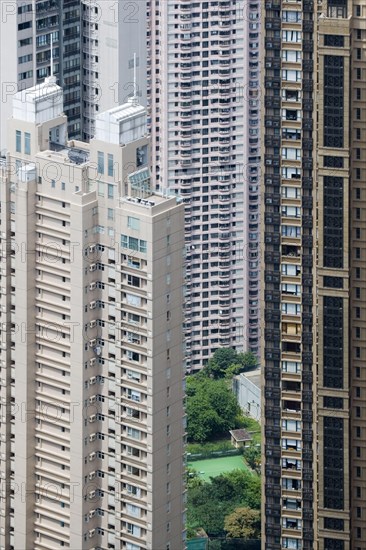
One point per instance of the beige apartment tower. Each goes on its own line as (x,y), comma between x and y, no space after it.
(314,275)
(92,382)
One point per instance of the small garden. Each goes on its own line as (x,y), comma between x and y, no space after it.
(224,487)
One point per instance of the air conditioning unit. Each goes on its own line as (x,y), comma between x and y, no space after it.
(92,531)
(92,418)
(92,361)
(92,342)
(92,399)
(92,513)
(92,248)
(91,494)
(93,304)
(92,437)
(92,324)
(92,267)
(91,475)
(92,380)
(92,456)
(92,286)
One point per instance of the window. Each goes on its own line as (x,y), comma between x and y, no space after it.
(133,375)
(133,529)
(291,231)
(291,425)
(18,141)
(27,143)
(291,192)
(133,243)
(133,300)
(293,544)
(133,510)
(292,289)
(110,191)
(291,309)
(26,25)
(291,16)
(291,75)
(133,223)
(291,366)
(132,490)
(110,165)
(100,162)
(291,56)
(291,36)
(291,211)
(333,101)
(133,433)
(134,395)
(334,40)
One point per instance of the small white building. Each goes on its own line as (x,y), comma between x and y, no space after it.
(246,387)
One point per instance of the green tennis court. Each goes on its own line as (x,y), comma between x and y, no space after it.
(215,466)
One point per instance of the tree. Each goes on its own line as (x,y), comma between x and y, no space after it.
(246,488)
(221,360)
(212,408)
(252,455)
(243,523)
(205,511)
(202,419)
(193,479)
(243,363)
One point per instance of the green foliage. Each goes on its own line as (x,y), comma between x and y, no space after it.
(193,479)
(211,502)
(243,523)
(226,362)
(252,456)
(212,408)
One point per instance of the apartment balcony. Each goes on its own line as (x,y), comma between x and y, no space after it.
(90,33)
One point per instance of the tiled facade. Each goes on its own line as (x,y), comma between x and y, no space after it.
(313,274)
(204,105)
(92,381)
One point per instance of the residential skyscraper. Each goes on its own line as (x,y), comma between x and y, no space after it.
(314,278)
(92,380)
(203,94)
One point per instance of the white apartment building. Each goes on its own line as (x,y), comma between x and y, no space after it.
(91,362)
(112,33)
(203,97)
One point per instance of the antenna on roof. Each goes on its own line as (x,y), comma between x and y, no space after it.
(51,54)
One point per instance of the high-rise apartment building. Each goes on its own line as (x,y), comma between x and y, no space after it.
(314,277)
(91,380)
(27,29)
(203,94)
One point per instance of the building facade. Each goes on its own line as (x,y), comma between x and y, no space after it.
(314,275)
(92,381)
(112,33)
(203,96)
(27,29)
